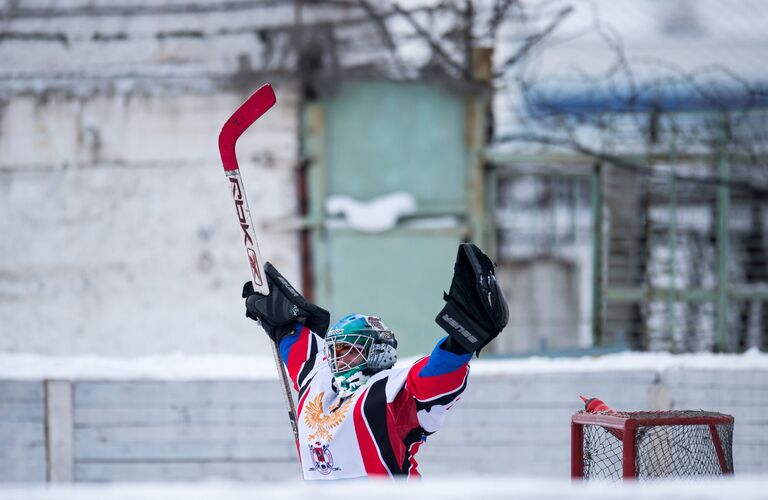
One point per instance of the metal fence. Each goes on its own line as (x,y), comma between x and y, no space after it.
(544,235)
(663,252)
(683,253)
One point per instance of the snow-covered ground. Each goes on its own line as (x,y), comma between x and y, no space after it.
(744,488)
(231,367)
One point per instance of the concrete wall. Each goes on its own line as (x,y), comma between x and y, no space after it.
(115,211)
(118,228)
(187,431)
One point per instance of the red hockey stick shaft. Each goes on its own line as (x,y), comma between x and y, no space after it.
(250,111)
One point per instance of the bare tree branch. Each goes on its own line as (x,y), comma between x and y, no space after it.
(434,45)
(533,40)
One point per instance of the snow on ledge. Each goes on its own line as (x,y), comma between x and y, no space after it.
(375,215)
(442,488)
(231,367)
(163,367)
(626,361)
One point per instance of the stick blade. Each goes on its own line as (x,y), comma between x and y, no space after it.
(248,112)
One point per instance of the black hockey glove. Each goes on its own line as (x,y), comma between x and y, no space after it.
(476,310)
(283,307)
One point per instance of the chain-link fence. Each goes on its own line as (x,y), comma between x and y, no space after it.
(684,255)
(544,226)
(661,252)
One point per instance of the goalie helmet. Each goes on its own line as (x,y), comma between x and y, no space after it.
(356,347)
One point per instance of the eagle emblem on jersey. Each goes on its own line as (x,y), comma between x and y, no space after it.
(316,418)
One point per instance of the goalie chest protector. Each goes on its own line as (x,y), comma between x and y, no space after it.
(345,439)
(378,430)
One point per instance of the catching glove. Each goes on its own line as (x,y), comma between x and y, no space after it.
(476,310)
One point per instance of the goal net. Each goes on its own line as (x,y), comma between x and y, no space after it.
(645,445)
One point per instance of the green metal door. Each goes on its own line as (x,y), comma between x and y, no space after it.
(371,139)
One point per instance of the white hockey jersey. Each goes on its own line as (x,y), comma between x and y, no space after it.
(378,430)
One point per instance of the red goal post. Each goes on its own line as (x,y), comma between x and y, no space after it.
(644,445)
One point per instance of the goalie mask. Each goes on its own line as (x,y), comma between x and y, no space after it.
(357,347)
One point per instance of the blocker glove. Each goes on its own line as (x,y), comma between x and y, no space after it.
(475,311)
(279,311)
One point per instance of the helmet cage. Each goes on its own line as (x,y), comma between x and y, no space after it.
(340,348)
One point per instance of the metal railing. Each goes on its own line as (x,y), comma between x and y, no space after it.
(678,249)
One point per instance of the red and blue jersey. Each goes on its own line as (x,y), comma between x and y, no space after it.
(378,430)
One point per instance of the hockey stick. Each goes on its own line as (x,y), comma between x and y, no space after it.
(248,112)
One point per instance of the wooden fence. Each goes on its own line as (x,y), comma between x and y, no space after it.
(155,430)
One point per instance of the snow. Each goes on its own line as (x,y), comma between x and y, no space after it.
(165,367)
(233,367)
(373,216)
(626,361)
(444,489)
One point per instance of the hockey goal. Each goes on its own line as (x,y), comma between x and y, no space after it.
(645,445)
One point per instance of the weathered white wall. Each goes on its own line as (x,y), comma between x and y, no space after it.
(122,237)
(118,232)
(511,424)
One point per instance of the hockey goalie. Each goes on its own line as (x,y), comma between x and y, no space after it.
(358,415)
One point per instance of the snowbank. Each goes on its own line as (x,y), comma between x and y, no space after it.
(626,361)
(228,367)
(171,367)
(744,488)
